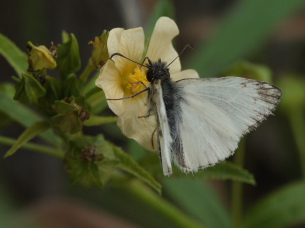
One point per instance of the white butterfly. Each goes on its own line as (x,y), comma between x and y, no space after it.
(200,121)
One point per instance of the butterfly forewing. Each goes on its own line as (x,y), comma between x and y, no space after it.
(216,112)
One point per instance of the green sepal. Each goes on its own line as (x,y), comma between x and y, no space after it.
(28,89)
(68,60)
(53,89)
(90,160)
(72,86)
(70,115)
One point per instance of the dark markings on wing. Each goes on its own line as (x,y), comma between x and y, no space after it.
(267,92)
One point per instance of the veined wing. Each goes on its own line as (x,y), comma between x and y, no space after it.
(216,112)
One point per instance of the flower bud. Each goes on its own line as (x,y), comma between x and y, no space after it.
(100,51)
(40,57)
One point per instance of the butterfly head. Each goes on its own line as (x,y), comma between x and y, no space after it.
(157,70)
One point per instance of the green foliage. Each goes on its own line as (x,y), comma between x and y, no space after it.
(14,56)
(249,70)
(92,161)
(40,58)
(240,34)
(27,135)
(282,208)
(68,60)
(69,116)
(129,165)
(60,109)
(197,199)
(24,116)
(99,120)
(221,171)
(28,89)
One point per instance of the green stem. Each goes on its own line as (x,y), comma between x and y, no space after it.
(34,147)
(88,70)
(297,122)
(237,187)
(174,215)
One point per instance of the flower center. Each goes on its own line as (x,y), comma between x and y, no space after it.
(133,83)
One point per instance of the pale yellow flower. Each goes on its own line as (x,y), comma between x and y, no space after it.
(118,77)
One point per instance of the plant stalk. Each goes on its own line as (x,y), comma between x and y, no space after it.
(34,147)
(88,70)
(237,187)
(297,122)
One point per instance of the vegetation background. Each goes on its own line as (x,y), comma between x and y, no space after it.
(256,38)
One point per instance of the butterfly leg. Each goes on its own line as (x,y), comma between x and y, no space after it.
(152,138)
(136,94)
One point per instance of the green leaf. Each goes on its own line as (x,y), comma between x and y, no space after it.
(199,201)
(15,57)
(29,90)
(129,165)
(227,171)
(72,86)
(249,70)
(283,208)
(240,34)
(221,171)
(24,116)
(99,120)
(53,89)
(27,135)
(68,60)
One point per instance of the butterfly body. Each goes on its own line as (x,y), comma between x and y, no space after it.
(164,99)
(200,121)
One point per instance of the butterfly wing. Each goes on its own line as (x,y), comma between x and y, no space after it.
(216,113)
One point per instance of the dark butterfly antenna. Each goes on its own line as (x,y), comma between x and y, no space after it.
(119,54)
(185,47)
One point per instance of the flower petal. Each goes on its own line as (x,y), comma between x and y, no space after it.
(129,43)
(109,80)
(114,39)
(140,129)
(184,74)
(160,45)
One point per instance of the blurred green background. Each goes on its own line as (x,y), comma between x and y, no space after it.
(262,39)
